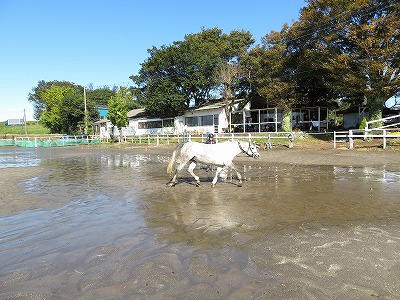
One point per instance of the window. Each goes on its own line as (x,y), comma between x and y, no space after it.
(191,121)
(206,120)
(150,124)
(168,123)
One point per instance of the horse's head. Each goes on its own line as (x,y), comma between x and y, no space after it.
(250,148)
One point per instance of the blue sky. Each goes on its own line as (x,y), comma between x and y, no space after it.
(104,42)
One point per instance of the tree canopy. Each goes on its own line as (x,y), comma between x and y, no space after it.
(181,75)
(60,106)
(355,46)
(118,108)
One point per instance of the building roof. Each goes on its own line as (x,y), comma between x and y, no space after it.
(213,105)
(352,110)
(137,113)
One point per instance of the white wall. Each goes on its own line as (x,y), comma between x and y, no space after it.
(222,121)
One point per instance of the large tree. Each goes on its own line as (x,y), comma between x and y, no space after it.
(358,44)
(178,76)
(271,73)
(36,96)
(101,95)
(52,99)
(118,109)
(72,112)
(60,106)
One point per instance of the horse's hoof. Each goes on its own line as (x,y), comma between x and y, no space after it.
(240,184)
(197,183)
(171,184)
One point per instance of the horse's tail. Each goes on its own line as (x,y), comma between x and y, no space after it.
(172,161)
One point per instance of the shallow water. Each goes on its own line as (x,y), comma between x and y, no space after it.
(103,225)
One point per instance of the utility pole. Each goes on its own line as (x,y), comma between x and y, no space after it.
(26,129)
(85,117)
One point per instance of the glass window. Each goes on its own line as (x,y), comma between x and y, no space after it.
(149,124)
(168,123)
(206,120)
(191,121)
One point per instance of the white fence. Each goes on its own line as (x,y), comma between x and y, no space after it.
(349,136)
(266,138)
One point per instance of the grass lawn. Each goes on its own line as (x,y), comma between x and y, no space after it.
(32,128)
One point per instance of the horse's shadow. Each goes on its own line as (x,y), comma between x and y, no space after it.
(205,181)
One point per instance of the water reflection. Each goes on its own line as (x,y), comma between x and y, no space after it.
(11,157)
(274,198)
(101,221)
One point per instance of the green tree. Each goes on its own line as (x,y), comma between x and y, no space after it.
(118,109)
(183,74)
(39,104)
(72,112)
(101,95)
(272,73)
(52,102)
(60,106)
(359,40)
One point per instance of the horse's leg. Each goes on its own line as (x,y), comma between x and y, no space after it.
(239,176)
(190,169)
(219,169)
(172,182)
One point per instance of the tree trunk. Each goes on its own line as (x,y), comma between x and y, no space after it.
(120,135)
(227,112)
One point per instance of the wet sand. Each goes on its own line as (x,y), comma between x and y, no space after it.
(100,223)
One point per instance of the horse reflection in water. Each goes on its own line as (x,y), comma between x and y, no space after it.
(219,155)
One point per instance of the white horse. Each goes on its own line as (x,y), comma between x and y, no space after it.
(220,155)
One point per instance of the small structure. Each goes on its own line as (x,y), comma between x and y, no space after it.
(353,116)
(14,122)
(311,118)
(270,119)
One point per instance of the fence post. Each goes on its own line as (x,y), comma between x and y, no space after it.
(158,140)
(268,144)
(351,139)
(384,138)
(365,131)
(334,140)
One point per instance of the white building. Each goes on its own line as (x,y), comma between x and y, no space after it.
(207,118)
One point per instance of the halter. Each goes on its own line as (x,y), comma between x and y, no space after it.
(246,152)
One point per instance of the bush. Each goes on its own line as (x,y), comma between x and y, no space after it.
(363,123)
